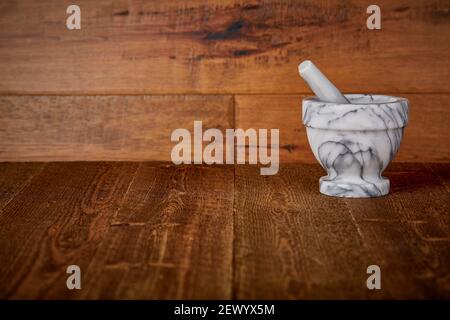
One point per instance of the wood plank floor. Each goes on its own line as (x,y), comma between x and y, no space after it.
(158,231)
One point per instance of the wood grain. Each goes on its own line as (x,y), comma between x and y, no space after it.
(158,231)
(291,242)
(14,177)
(46,128)
(171,239)
(136,231)
(58,220)
(231,46)
(412,225)
(426,136)
(442,171)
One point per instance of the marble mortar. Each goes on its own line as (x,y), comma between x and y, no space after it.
(354,142)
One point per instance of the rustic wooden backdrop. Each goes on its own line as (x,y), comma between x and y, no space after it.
(136,70)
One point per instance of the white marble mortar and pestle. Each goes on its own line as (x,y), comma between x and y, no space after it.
(354,137)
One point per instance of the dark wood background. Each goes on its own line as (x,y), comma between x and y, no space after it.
(136,70)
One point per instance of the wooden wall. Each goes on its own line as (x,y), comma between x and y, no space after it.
(136,70)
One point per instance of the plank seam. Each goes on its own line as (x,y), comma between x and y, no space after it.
(233,243)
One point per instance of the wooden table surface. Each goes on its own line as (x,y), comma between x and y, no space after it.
(154,230)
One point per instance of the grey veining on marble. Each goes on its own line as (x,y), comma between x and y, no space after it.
(355,142)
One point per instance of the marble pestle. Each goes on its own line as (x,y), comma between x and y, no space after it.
(319,84)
